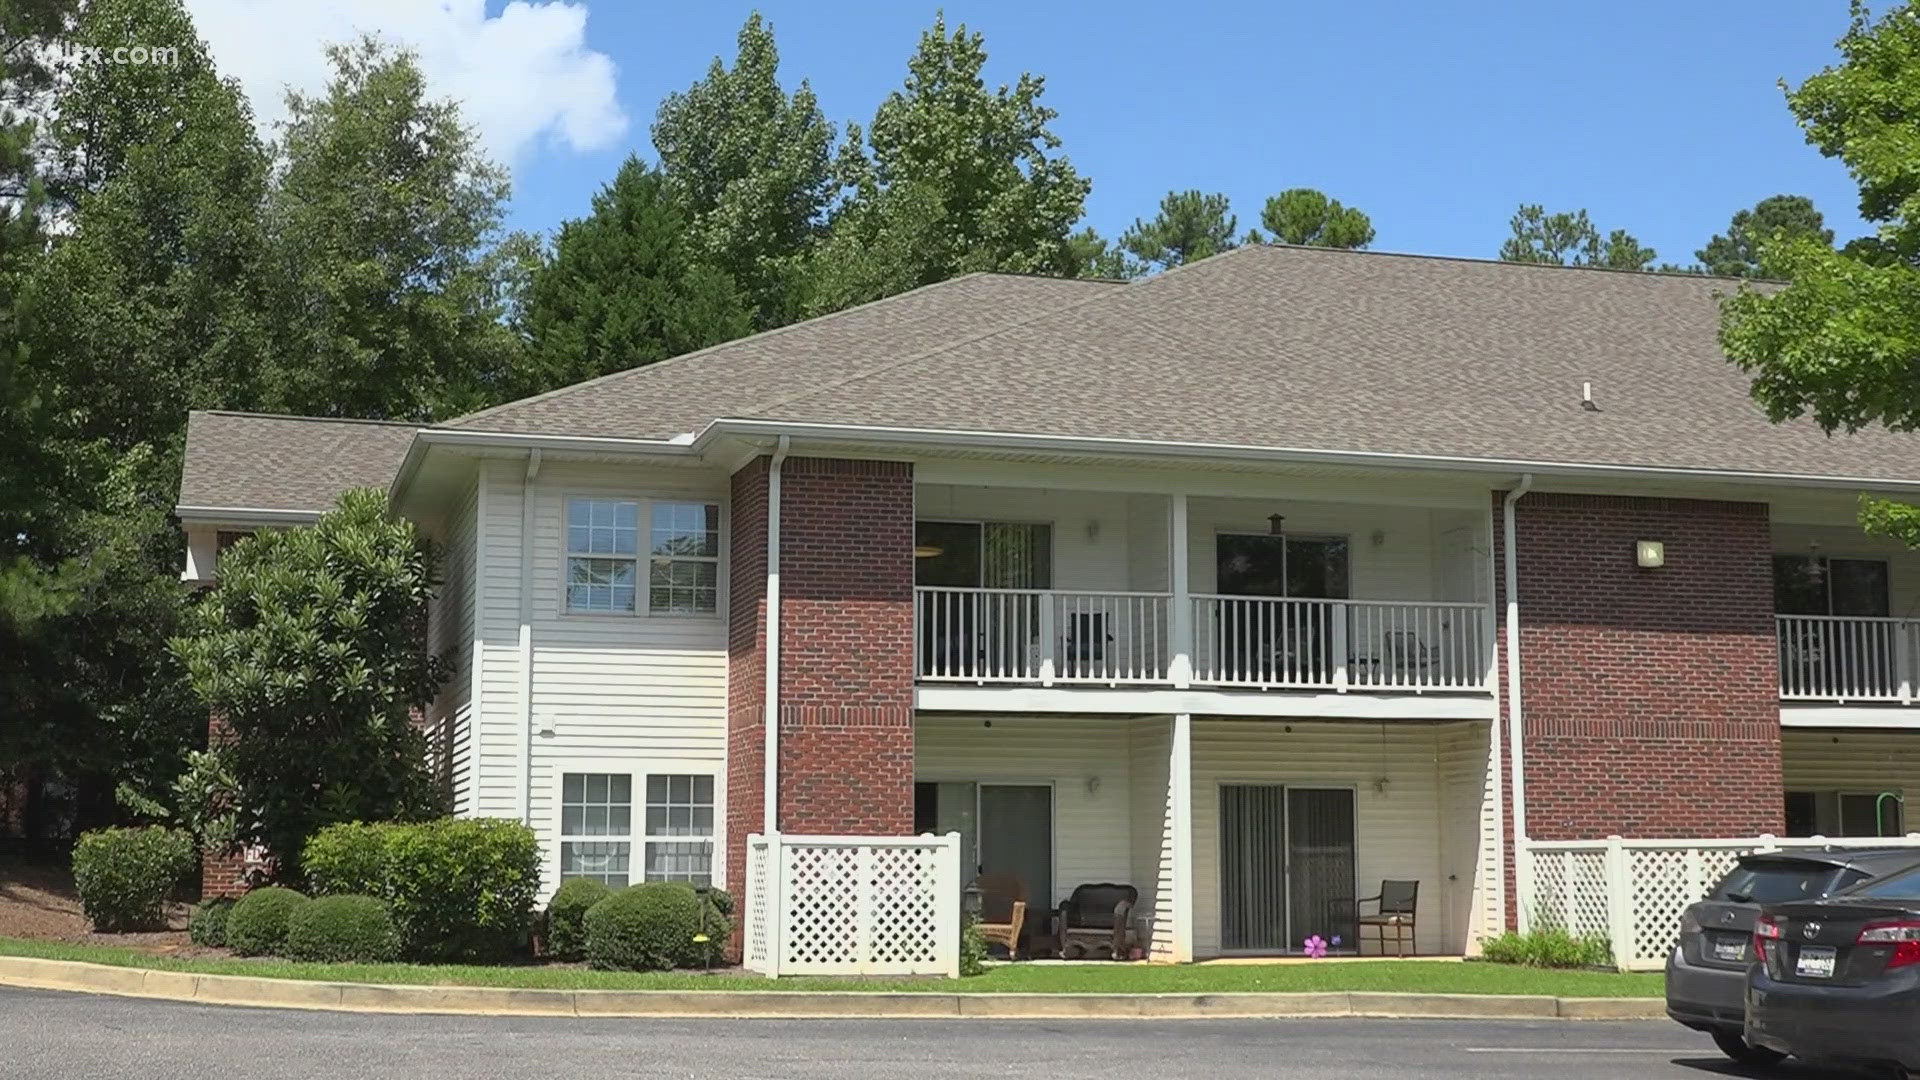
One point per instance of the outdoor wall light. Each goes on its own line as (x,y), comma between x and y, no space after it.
(1649,554)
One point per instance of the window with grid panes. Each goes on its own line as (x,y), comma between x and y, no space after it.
(684,550)
(602,555)
(679,828)
(596,827)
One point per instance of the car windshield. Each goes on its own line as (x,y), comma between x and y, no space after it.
(1774,881)
(1904,885)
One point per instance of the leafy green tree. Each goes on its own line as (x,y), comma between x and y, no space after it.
(753,167)
(383,227)
(1094,257)
(1306,216)
(1736,253)
(141,306)
(1571,240)
(1189,227)
(623,288)
(312,649)
(152,303)
(1841,342)
(950,178)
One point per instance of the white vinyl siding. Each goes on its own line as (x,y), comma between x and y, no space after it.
(1401,825)
(1863,762)
(452,634)
(1848,542)
(1085,760)
(1120,542)
(641,694)
(1429,823)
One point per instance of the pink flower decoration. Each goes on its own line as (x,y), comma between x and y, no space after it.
(1316,947)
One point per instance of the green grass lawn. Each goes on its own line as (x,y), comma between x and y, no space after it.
(1409,977)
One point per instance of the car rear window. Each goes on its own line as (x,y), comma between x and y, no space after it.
(1904,885)
(1772,882)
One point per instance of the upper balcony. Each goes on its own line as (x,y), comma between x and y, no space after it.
(1027,596)
(1847,638)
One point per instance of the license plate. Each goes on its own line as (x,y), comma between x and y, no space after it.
(1730,949)
(1814,962)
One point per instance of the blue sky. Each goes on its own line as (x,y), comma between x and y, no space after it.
(1437,117)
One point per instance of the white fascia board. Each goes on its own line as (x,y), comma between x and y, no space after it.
(238,515)
(679,447)
(1078,444)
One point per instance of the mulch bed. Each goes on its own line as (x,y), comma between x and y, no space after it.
(40,902)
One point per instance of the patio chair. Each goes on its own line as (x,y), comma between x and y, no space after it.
(1398,901)
(1097,919)
(1003,910)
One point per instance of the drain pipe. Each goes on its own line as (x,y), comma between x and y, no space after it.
(1523,863)
(770,798)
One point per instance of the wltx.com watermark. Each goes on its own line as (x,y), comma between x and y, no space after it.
(135,55)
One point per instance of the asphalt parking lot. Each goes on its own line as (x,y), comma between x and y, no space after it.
(57,1034)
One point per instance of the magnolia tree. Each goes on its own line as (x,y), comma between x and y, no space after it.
(313,651)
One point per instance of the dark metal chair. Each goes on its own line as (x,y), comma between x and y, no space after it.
(1398,903)
(1097,918)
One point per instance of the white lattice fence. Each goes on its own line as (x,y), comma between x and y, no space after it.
(756,906)
(1634,891)
(853,905)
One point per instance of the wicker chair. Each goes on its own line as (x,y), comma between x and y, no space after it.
(1097,919)
(1003,910)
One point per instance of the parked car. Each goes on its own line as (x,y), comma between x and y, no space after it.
(1838,980)
(1707,970)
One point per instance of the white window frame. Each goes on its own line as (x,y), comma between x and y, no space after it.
(563,838)
(647,837)
(568,554)
(717,559)
(639,769)
(643,558)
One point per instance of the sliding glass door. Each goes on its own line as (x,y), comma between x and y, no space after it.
(1286,866)
(967,628)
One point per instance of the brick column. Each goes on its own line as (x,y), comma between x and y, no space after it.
(1650,696)
(846,653)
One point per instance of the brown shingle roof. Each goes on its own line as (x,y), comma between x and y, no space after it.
(254,462)
(1276,346)
(686,392)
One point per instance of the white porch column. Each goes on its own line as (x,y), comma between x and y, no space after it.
(1180,619)
(1180,813)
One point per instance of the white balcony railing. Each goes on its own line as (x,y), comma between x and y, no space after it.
(1843,658)
(1300,644)
(1125,638)
(1041,636)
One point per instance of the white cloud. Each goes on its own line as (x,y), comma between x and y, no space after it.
(522,77)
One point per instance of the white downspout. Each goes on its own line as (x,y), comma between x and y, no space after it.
(1522,865)
(771,781)
(526,637)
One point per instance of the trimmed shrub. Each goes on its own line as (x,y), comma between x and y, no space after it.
(209,924)
(124,876)
(973,947)
(458,889)
(1549,947)
(349,858)
(566,936)
(651,927)
(257,925)
(342,929)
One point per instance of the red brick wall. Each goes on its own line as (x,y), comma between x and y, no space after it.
(846,657)
(1650,695)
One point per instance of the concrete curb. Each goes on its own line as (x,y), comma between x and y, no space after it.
(31,973)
